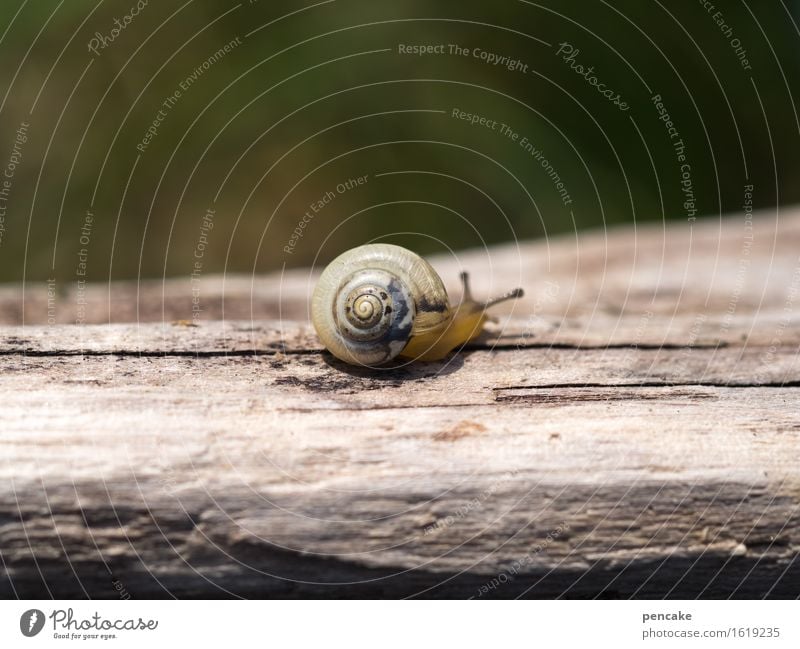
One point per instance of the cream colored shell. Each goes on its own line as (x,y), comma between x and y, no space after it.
(372,299)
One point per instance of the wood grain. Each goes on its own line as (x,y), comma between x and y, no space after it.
(631,434)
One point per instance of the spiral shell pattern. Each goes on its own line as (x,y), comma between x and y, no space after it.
(372,305)
(366,302)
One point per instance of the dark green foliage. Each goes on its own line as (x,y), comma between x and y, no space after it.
(294,109)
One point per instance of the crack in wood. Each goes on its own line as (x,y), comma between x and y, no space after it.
(655,384)
(556,345)
(567,396)
(490,347)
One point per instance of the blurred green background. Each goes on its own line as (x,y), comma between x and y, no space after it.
(309,95)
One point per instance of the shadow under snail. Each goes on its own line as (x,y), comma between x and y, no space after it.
(379,301)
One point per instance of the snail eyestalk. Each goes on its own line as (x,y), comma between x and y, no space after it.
(511,295)
(465,285)
(514,294)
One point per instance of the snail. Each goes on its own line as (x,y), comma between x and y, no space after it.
(379,301)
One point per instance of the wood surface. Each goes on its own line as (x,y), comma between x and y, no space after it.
(630,429)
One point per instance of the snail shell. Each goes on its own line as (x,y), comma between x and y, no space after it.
(371,300)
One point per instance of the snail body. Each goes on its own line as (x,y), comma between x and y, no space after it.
(379,301)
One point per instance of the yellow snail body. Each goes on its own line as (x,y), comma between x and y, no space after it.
(379,301)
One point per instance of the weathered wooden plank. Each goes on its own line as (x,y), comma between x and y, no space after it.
(244,393)
(631,428)
(307,474)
